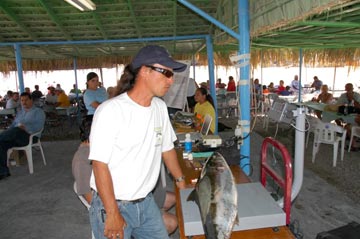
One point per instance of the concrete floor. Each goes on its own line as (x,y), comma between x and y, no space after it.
(43,205)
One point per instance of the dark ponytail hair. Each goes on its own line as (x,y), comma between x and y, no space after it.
(85,127)
(127,80)
(208,96)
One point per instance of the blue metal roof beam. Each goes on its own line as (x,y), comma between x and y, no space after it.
(210,18)
(130,40)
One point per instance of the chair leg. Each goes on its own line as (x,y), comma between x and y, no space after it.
(42,154)
(336,146)
(351,139)
(28,152)
(342,150)
(8,156)
(315,150)
(307,139)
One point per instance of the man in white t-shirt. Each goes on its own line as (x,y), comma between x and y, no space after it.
(295,84)
(130,135)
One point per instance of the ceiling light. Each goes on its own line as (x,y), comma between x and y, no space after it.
(82,5)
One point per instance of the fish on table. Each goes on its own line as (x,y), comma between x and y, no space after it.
(216,196)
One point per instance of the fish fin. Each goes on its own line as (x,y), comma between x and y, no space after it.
(192,196)
(237,219)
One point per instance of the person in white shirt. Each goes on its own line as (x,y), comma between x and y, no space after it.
(295,84)
(130,135)
(14,102)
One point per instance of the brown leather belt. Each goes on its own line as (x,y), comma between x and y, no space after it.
(129,201)
(132,201)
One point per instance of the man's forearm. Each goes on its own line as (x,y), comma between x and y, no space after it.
(104,186)
(172,163)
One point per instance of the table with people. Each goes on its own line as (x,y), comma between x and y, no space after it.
(344,111)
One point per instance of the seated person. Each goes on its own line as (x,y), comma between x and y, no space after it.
(349,97)
(324,97)
(62,98)
(51,98)
(317,84)
(165,200)
(281,87)
(271,87)
(29,120)
(265,90)
(81,165)
(14,102)
(286,92)
(7,96)
(295,85)
(204,106)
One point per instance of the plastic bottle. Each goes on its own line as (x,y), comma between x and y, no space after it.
(188,144)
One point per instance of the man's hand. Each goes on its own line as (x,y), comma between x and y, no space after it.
(181,185)
(114,226)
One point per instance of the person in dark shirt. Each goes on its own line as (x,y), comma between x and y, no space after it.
(286,92)
(36,94)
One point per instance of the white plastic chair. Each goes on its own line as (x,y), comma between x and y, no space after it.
(327,133)
(313,122)
(355,132)
(205,127)
(81,198)
(28,150)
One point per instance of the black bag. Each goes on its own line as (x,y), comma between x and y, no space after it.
(349,231)
(350,110)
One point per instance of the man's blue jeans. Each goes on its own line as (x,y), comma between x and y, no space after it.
(143,219)
(12,137)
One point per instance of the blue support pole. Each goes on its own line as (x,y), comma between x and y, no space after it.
(76,81)
(209,47)
(300,69)
(244,87)
(19,67)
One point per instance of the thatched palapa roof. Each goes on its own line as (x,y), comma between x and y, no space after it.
(327,31)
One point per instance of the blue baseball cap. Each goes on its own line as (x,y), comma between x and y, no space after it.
(152,54)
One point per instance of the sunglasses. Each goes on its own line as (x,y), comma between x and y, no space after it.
(163,71)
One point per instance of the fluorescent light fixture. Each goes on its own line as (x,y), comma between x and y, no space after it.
(82,5)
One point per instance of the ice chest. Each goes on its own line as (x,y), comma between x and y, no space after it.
(349,231)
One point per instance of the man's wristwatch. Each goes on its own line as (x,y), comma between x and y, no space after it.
(180,179)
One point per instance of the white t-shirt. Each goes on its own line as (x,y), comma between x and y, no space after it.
(51,98)
(131,138)
(295,85)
